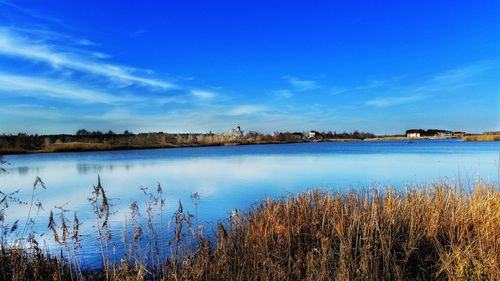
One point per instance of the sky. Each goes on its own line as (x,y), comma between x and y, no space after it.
(201,66)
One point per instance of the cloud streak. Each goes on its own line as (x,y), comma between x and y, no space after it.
(442,83)
(203,95)
(456,78)
(282,94)
(246,110)
(39,87)
(302,84)
(391,101)
(16,45)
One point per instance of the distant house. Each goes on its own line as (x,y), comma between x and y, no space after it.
(314,134)
(430,133)
(413,133)
(444,134)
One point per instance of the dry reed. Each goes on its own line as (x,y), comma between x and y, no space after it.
(483,137)
(436,233)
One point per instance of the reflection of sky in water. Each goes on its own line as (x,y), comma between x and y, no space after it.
(235,177)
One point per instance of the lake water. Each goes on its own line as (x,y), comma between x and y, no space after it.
(235,176)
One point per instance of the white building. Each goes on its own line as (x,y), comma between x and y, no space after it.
(313,134)
(413,134)
(235,133)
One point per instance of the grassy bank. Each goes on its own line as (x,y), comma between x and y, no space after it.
(483,137)
(97,141)
(87,147)
(436,233)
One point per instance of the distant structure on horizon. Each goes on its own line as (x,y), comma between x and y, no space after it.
(314,134)
(236,133)
(413,133)
(418,133)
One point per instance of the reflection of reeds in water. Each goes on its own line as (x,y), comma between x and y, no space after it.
(435,233)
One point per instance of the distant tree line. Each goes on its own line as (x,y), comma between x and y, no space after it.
(83,132)
(96,140)
(304,136)
(429,132)
(352,135)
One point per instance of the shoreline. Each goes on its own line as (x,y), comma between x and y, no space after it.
(95,147)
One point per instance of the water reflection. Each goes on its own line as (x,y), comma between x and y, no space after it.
(93,168)
(24,170)
(235,177)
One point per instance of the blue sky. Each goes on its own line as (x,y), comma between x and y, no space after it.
(200,66)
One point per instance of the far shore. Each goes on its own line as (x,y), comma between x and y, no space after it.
(90,147)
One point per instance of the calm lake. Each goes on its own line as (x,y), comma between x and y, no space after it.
(234,176)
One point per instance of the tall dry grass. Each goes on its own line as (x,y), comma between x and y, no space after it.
(435,233)
(483,137)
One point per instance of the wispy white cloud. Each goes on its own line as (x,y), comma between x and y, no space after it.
(203,95)
(297,85)
(442,83)
(302,84)
(39,87)
(22,46)
(84,74)
(11,9)
(360,88)
(337,91)
(283,94)
(246,110)
(86,42)
(171,100)
(390,101)
(455,78)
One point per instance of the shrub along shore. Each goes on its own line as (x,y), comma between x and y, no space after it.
(440,232)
